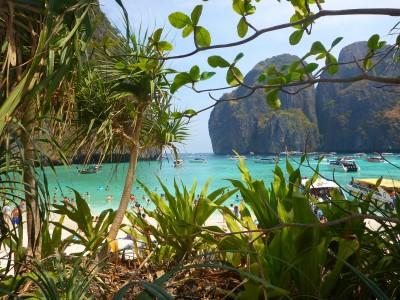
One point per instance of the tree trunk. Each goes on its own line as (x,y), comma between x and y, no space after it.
(130,178)
(29,178)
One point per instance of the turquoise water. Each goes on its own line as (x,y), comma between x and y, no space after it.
(218,169)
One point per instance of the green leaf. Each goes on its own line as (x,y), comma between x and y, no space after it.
(249,8)
(196,13)
(164,46)
(180,80)
(238,57)
(202,36)
(189,112)
(179,20)
(336,41)
(273,100)
(157,35)
(238,7)
(367,64)
(216,61)
(295,37)
(373,42)
(206,75)
(331,63)
(234,76)
(242,27)
(317,48)
(296,17)
(176,115)
(195,73)
(187,30)
(311,67)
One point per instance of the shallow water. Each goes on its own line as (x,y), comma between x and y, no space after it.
(218,169)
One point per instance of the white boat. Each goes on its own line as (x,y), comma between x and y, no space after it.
(266,160)
(178,163)
(385,193)
(359,154)
(387,154)
(322,189)
(238,157)
(344,165)
(198,160)
(291,153)
(375,159)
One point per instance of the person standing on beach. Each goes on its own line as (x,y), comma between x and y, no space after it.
(7,214)
(132,198)
(15,218)
(236,211)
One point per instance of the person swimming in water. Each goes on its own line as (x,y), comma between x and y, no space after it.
(109,198)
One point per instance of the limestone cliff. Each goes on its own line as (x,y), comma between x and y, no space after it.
(360,116)
(249,125)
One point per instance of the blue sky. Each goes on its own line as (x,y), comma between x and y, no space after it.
(221,21)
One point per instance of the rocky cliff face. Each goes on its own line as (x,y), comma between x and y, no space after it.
(249,125)
(360,116)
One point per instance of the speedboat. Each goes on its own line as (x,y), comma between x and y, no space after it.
(90,170)
(322,189)
(198,160)
(178,163)
(384,194)
(238,157)
(375,159)
(359,154)
(266,160)
(387,154)
(344,165)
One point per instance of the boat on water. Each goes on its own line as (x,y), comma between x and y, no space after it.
(387,154)
(375,159)
(90,169)
(266,160)
(178,163)
(238,157)
(359,154)
(344,165)
(322,189)
(198,160)
(291,153)
(384,194)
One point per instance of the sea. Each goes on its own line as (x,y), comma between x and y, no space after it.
(103,189)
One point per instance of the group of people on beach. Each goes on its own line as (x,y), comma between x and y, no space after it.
(12,216)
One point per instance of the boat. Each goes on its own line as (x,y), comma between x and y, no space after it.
(198,160)
(238,157)
(90,170)
(266,160)
(359,154)
(344,165)
(384,194)
(375,159)
(178,163)
(322,189)
(291,153)
(387,154)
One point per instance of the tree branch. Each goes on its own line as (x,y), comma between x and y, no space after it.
(322,13)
